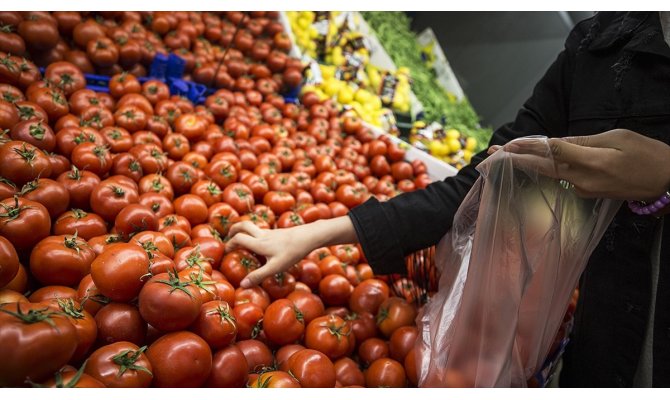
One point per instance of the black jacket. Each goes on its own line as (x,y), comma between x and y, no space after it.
(613,73)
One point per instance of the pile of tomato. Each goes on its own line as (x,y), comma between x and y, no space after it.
(115,209)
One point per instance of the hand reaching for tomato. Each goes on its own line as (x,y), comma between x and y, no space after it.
(282,248)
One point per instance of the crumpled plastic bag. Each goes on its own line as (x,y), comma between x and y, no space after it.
(518,245)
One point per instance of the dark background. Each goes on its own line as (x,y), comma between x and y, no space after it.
(499,56)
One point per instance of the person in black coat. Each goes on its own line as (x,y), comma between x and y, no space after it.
(609,92)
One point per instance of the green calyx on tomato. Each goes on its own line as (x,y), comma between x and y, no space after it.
(29,187)
(134,166)
(224,313)
(26,112)
(32,316)
(74,173)
(58,378)
(70,309)
(12,212)
(71,242)
(176,284)
(199,281)
(127,360)
(195,259)
(118,191)
(27,154)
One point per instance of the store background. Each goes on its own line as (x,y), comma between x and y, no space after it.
(498,57)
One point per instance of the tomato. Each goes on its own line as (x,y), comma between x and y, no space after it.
(402,341)
(332,265)
(283,322)
(208,191)
(36,341)
(385,372)
(273,379)
(215,324)
(48,293)
(410,364)
(237,264)
(90,157)
(9,262)
(168,291)
(52,101)
(89,296)
(258,355)
(7,188)
(49,193)
(372,349)
(12,296)
(309,304)
(284,353)
(83,322)
(192,257)
(258,185)
(312,369)
(229,368)
(155,91)
(120,322)
(110,197)
(68,377)
(222,172)
(363,325)
(68,138)
(190,125)
(368,296)
(192,207)
(348,372)
(221,216)
(65,76)
(248,318)
(335,290)
(255,295)
(127,165)
(394,313)
(240,197)
(120,365)
(118,139)
(23,222)
(80,185)
(331,335)
(102,52)
(119,270)
(180,359)
(37,133)
(135,218)
(338,209)
(279,285)
(61,260)
(156,183)
(23,162)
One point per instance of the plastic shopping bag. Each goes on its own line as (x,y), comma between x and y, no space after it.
(519,242)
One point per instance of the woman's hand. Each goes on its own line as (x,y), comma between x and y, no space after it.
(618,164)
(282,248)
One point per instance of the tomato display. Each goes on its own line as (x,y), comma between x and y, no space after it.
(120,205)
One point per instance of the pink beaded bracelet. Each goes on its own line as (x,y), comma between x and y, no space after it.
(642,208)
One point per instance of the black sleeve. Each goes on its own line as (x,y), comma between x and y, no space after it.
(391,230)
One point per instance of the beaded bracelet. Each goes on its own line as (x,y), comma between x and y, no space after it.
(642,208)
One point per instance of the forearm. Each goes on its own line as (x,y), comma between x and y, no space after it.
(328,232)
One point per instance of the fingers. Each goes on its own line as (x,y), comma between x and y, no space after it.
(243,240)
(257,276)
(493,149)
(247,227)
(610,139)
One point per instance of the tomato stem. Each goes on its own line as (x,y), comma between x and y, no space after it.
(127,360)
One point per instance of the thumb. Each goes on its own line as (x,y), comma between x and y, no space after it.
(255,277)
(564,151)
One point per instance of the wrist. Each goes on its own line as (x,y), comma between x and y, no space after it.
(329,232)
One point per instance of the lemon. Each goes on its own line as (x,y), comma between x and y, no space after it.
(454,145)
(362,96)
(304,23)
(453,134)
(470,144)
(327,71)
(346,95)
(467,156)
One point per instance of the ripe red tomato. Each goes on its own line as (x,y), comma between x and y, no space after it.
(156,183)
(221,216)
(119,270)
(168,291)
(180,359)
(89,296)
(61,260)
(402,341)
(284,353)
(254,295)
(258,355)
(120,365)
(9,262)
(410,365)
(363,325)
(348,373)
(309,304)
(216,324)
(331,335)
(240,197)
(36,341)
(237,264)
(394,313)
(312,369)
(23,222)
(229,368)
(248,317)
(222,172)
(279,285)
(385,372)
(192,207)
(135,218)
(23,162)
(368,296)
(83,322)
(80,185)
(120,322)
(335,290)
(372,349)
(283,322)
(111,196)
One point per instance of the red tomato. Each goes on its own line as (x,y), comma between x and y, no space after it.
(208,191)
(229,368)
(348,373)
(135,218)
(156,183)
(35,347)
(363,325)
(335,290)
(120,322)
(283,322)
(312,369)
(23,162)
(240,197)
(372,349)
(9,262)
(192,207)
(368,296)
(273,379)
(61,260)
(385,372)
(216,324)
(255,295)
(309,304)
(23,222)
(120,365)
(279,285)
(168,291)
(237,264)
(402,341)
(119,270)
(89,296)
(284,353)
(330,335)
(248,317)
(180,359)
(258,355)
(221,216)
(394,313)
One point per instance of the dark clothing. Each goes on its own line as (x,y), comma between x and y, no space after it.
(613,73)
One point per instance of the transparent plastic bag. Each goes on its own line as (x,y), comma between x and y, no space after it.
(518,244)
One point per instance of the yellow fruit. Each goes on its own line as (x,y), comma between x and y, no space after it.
(304,23)
(309,15)
(453,134)
(362,96)
(470,144)
(467,156)
(376,102)
(454,145)
(307,89)
(346,95)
